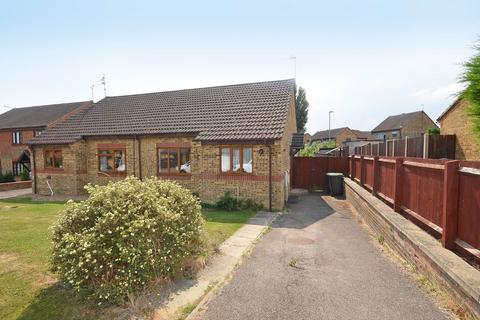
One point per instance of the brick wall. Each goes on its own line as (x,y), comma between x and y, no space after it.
(10,152)
(457,122)
(344,135)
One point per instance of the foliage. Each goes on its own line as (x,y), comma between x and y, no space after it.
(227,202)
(433,131)
(301,109)
(471,77)
(126,235)
(24,175)
(6,177)
(311,149)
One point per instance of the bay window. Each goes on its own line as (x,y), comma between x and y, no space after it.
(236,159)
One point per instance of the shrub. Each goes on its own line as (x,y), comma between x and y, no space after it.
(126,235)
(227,202)
(6,177)
(433,131)
(24,175)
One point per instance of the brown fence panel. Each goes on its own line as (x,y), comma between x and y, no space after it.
(368,172)
(386,174)
(441,146)
(422,191)
(469,204)
(415,147)
(399,148)
(358,169)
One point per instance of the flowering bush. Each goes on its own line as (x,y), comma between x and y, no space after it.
(125,235)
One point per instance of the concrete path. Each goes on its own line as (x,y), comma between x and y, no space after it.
(186,292)
(15,193)
(319,263)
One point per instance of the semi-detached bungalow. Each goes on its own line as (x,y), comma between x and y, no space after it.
(232,138)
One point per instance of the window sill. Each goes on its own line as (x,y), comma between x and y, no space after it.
(180,176)
(112,174)
(50,169)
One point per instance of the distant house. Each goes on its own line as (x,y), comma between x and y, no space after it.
(307,138)
(411,124)
(455,120)
(341,135)
(233,138)
(19,125)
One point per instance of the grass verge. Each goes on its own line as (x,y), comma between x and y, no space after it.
(29,290)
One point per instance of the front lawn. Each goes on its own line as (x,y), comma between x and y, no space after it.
(28,290)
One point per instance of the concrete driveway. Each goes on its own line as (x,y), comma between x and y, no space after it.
(319,263)
(15,193)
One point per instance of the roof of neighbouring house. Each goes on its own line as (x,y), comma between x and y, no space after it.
(363,134)
(397,121)
(252,111)
(322,135)
(38,116)
(450,107)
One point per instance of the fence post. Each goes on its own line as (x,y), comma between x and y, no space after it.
(393,148)
(426,140)
(450,203)
(406,146)
(362,170)
(375,175)
(397,189)
(352,166)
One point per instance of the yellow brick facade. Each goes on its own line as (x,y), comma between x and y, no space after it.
(457,121)
(80,163)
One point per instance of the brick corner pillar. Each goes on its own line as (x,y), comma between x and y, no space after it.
(450,204)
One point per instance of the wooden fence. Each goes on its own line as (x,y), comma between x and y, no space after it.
(310,172)
(433,146)
(441,196)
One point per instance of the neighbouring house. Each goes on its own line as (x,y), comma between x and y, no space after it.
(403,125)
(455,120)
(233,138)
(340,135)
(19,125)
(307,138)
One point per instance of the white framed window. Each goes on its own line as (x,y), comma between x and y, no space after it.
(16,137)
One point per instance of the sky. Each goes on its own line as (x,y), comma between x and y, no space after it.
(364,60)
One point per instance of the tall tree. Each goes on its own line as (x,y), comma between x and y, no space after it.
(301,109)
(471,77)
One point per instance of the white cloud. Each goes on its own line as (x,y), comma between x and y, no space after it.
(439,93)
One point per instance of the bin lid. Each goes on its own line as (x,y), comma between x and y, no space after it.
(334,174)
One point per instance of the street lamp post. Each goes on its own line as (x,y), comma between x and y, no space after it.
(329,116)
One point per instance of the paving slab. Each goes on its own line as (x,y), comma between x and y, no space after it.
(15,193)
(318,262)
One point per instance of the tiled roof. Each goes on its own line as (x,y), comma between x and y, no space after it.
(252,111)
(39,116)
(322,135)
(397,121)
(363,134)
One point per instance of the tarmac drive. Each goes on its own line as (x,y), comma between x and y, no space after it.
(320,263)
